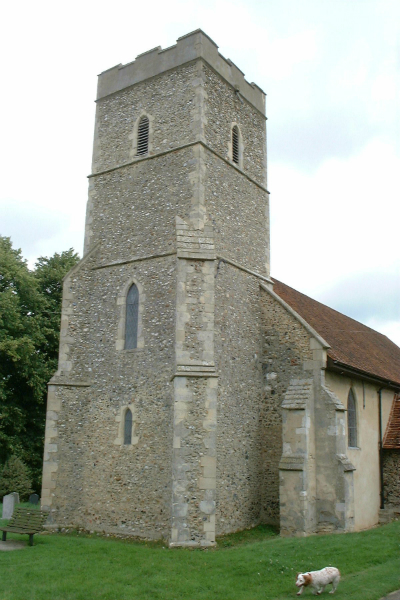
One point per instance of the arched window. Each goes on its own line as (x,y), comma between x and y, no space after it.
(128,427)
(143,136)
(132,317)
(351,420)
(235,144)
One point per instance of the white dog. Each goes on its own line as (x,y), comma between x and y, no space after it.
(319,580)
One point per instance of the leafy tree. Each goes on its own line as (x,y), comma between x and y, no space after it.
(49,273)
(15,477)
(30,305)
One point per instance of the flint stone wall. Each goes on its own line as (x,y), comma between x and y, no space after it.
(169,98)
(239,432)
(167,475)
(391,470)
(223,107)
(101,485)
(286,345)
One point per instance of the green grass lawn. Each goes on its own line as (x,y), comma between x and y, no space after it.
(250,565)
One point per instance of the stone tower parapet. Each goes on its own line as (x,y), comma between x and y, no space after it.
(188,48)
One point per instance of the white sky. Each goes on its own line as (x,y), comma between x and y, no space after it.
(331,72)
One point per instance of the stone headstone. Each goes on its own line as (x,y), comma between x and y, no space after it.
(34,499)
(9,503)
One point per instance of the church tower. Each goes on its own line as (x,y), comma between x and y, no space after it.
(153,423)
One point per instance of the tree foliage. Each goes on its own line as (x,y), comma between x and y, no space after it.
(15,477)
(30,312)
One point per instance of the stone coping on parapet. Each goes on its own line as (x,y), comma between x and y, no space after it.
(189,47)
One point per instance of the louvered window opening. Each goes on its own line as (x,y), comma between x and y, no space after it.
(128,428)
(143,136)
(132,317)
(352,420)
(235,145)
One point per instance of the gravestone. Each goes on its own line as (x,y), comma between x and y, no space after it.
(9,503)
(34,499)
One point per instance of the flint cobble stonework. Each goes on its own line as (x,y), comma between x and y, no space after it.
(391,464)
(224,106)
(103,483)
(286,345)
(189,228)
(239,439)
(219,418)
(168,98)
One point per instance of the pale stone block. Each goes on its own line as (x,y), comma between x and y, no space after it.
(179,509)
(315,344)
(47,481)
(50,467)
(180,384)
(209,308)
(211,415)
(52,415)
(210,425)
(208,507)
(208,461)
(177,442)
(319,354)
(207,483)
(311,365)
(53,403)
(180,335)
(210,471)
(210,536)
(209,527)
(51,432)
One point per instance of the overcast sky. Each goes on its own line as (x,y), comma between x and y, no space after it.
(330,69)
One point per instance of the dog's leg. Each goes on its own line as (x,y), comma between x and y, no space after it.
(335,583)
(300,591)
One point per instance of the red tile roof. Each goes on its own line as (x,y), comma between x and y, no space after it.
(352,344)
(392,435)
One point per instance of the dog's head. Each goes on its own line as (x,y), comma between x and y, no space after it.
(303,579)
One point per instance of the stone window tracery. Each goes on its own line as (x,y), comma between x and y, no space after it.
(235,146)
(351,420)
(128,427)
(143,136)
(132,317)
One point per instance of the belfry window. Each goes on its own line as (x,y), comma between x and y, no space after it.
(128,427)
(132,317)
(143,136)
(235,144)
(351,420)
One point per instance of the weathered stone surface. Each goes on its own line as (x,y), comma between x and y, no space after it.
(9,503)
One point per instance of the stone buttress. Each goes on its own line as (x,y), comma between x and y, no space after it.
(316,487)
